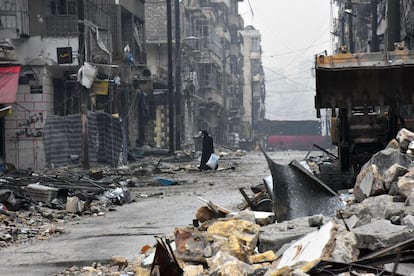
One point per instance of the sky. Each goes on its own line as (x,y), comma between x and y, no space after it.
(292,33)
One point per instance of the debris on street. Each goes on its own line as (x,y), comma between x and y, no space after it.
(36,205)
(371,233)
(374,221)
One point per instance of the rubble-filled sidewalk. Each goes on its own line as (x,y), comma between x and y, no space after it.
(372,235)
(104,227)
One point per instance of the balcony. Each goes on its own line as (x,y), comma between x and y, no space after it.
(236,20)
(255,55)
(213,96)
(135,7)
(14,19)
(225,2)
(61,25)
(235,112)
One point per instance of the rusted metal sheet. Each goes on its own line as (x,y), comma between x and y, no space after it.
(298,193)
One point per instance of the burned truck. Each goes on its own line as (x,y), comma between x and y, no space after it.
(369,97)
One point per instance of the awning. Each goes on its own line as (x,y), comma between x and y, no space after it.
(9,80)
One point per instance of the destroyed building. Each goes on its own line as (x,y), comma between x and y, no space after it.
(53,44)
(214,66)
(108,59)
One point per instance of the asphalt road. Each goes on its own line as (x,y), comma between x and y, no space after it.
(125,231)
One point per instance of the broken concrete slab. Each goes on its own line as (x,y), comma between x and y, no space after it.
(268,256)
(316,220)
(350,222)
(408,221)
(392,174)
(410,199)
(41,193)
(242,236)
(258,217)
(312,247)
(224,263)
(386,158)
(405,184)
(375,207)
(381,233)
(193,270)
(196,246)
(74,205)
(346,246)
(404,269)
(274,236)
(404,137)
(368,183)
(393,144)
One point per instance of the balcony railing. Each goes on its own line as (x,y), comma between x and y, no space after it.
(14,19)
(61,25)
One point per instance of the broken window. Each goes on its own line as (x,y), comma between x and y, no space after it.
(255,44)
(61,7)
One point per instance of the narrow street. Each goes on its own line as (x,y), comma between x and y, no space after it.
(125,231)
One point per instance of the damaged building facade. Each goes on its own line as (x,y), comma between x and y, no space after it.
(254,83)
(56,43)
(213,69)
(372,26)
(91,77)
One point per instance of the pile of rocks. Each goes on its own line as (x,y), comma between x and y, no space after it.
(378,221)
(38,222)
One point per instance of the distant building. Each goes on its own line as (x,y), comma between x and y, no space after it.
(210,63)
(88,79)
(254,92)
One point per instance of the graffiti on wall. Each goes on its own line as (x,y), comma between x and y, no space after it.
(30,127)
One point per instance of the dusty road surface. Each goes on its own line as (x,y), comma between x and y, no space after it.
(125,231)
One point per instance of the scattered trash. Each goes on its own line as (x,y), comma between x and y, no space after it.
(166,181)
(371,233)
(213,161)
(164,262)
(119,195)
(74,205)
(41,193)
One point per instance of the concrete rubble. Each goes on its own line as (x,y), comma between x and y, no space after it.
(377,221)
(365,236)
(37,205)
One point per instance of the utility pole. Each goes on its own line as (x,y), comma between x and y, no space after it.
(343,31)
(178,118)
(170,79)
(83,90)
(374,26)
(394,21)
(350,28)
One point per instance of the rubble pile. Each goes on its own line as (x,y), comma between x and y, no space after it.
(36,205)
(372,235)
(25,220)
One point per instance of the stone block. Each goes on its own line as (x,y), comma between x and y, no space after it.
(392,174)
(195,246)
(408,221)
(242,235)
(274,236)
(369,182)
(193,270)
(268,256)
(380,234)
